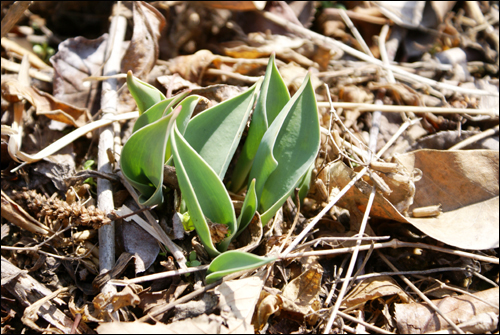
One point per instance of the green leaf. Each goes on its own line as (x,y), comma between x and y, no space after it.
(203,192)
(146,151)
(88,164)
(234,261)
(143,156)
(272,98)
(216,132)
(144,94)
(157,111)
(248,209)
(287,150)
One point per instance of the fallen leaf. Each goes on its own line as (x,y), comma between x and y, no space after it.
(15,214)
(465,183)
(45,104)
(143,50)
(194,308)
(267,305)
(77,59)
(418,318)
(237,303)
(301,295)
(202,324)
(139,243)
(373,288)
(126,297)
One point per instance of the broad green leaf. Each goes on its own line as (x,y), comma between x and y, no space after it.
(148,148)
(143,156)
(216,132)
(203,192)
(234,261)
(287,150)
(158,110)
(144,94)
(248,209)
(272,98)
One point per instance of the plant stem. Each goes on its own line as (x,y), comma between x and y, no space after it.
(109,103)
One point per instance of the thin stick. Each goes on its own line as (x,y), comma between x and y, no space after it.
(156,276)
(75,134)
(336,239)
(421,295)
(324,40)
(337,280)
(322,213)
(475,138)
(14,67)
(109,104)
(160,235)
(420,272)
(364,323)
(456,289)
(364,107)
(395,244)
(355,32)
(350,269)
(383,53)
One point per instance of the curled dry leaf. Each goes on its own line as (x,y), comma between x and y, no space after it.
(237,303)
(417,318)
(373,288)
(15,214)
(77,59)
(126,297)
(268,305)
(301,295)
(250,238)
(139,242)
(287,48)
(143,50)
(465,183)
(45,104)
(191,67)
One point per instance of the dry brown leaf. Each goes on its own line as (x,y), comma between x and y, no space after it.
(301,295)
(203,324)
(15,214)
(286,48)
(250,238)
(373,288)
(268,305)
(417,318)
(126,297)
(191,67)
(77,59)
(138,242)
(237,303)
(194,308)
(45,104)
(143,50)
(338,175)
(465,183)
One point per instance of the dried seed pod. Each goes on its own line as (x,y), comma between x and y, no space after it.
(426,212)
(60,212)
